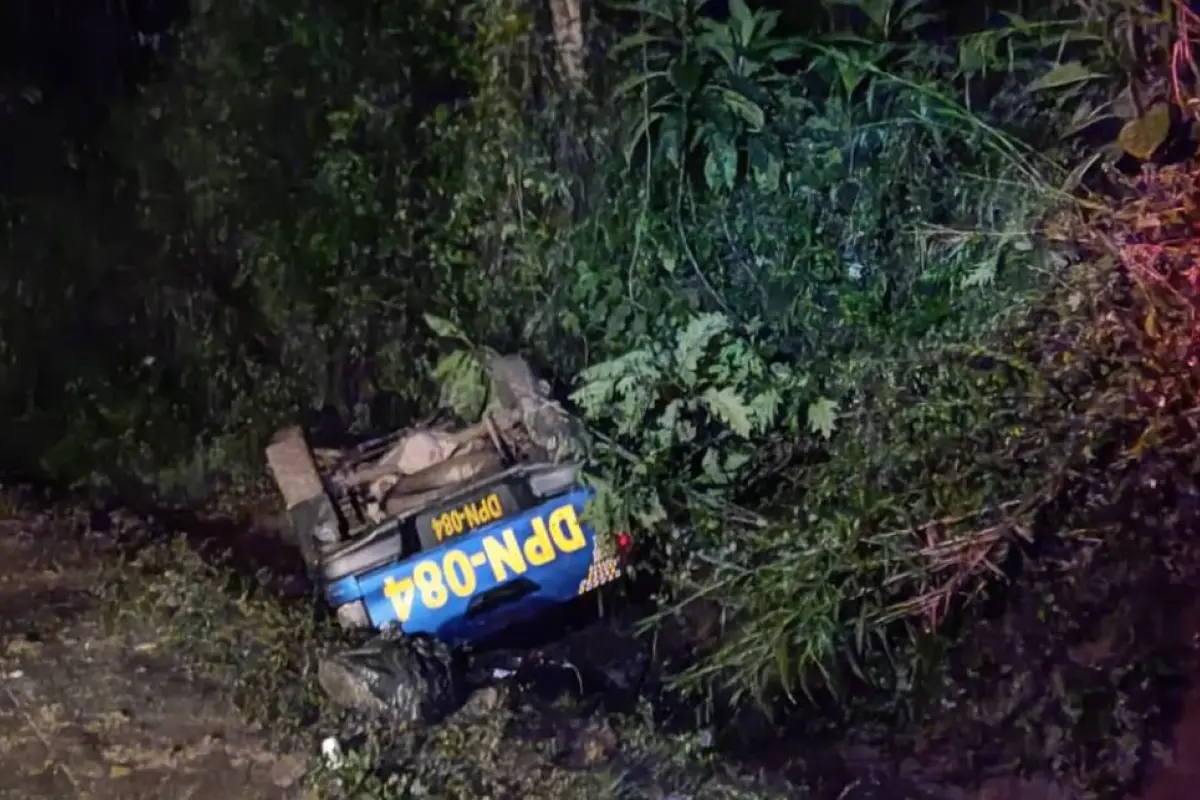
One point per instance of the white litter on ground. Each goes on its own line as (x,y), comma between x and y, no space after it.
(331,751)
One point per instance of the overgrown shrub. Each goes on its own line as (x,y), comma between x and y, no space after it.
(811,353)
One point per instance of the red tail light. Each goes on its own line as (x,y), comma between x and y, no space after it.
(624,543)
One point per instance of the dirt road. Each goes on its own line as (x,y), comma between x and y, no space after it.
(86,712)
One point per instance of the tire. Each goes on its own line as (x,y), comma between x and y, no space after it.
(311,513)
(404,679)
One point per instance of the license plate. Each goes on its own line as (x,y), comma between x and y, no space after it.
(482,508)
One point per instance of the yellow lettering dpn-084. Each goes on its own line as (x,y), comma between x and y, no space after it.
(467,517)
(434,582)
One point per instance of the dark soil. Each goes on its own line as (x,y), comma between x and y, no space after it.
(89,712)
(1177,777)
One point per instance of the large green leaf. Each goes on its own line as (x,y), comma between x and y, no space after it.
(692,342)
(1067,74)
(822,416)
(444,327)
(745,108)
(727,405)
(1142,136)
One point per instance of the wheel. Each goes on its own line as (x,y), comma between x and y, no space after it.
(311,513)
(416,679)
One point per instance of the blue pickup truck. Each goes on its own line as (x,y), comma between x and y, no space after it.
(436,539)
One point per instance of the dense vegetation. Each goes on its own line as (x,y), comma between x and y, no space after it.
(827,285)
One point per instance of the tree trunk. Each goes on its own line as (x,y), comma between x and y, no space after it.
(567,18)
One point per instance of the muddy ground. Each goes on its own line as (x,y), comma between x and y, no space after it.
(89,711)
(185,697)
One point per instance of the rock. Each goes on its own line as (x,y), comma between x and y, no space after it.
(287,771)
(593,745)
(484,701)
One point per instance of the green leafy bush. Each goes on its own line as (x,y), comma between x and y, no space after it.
(786,376)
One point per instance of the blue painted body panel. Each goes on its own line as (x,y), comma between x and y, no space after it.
(548,549)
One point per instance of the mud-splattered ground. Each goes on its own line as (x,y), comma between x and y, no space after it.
(89,712)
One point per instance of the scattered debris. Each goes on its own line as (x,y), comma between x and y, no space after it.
(331,752)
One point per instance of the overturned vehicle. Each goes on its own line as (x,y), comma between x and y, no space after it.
(441,536)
